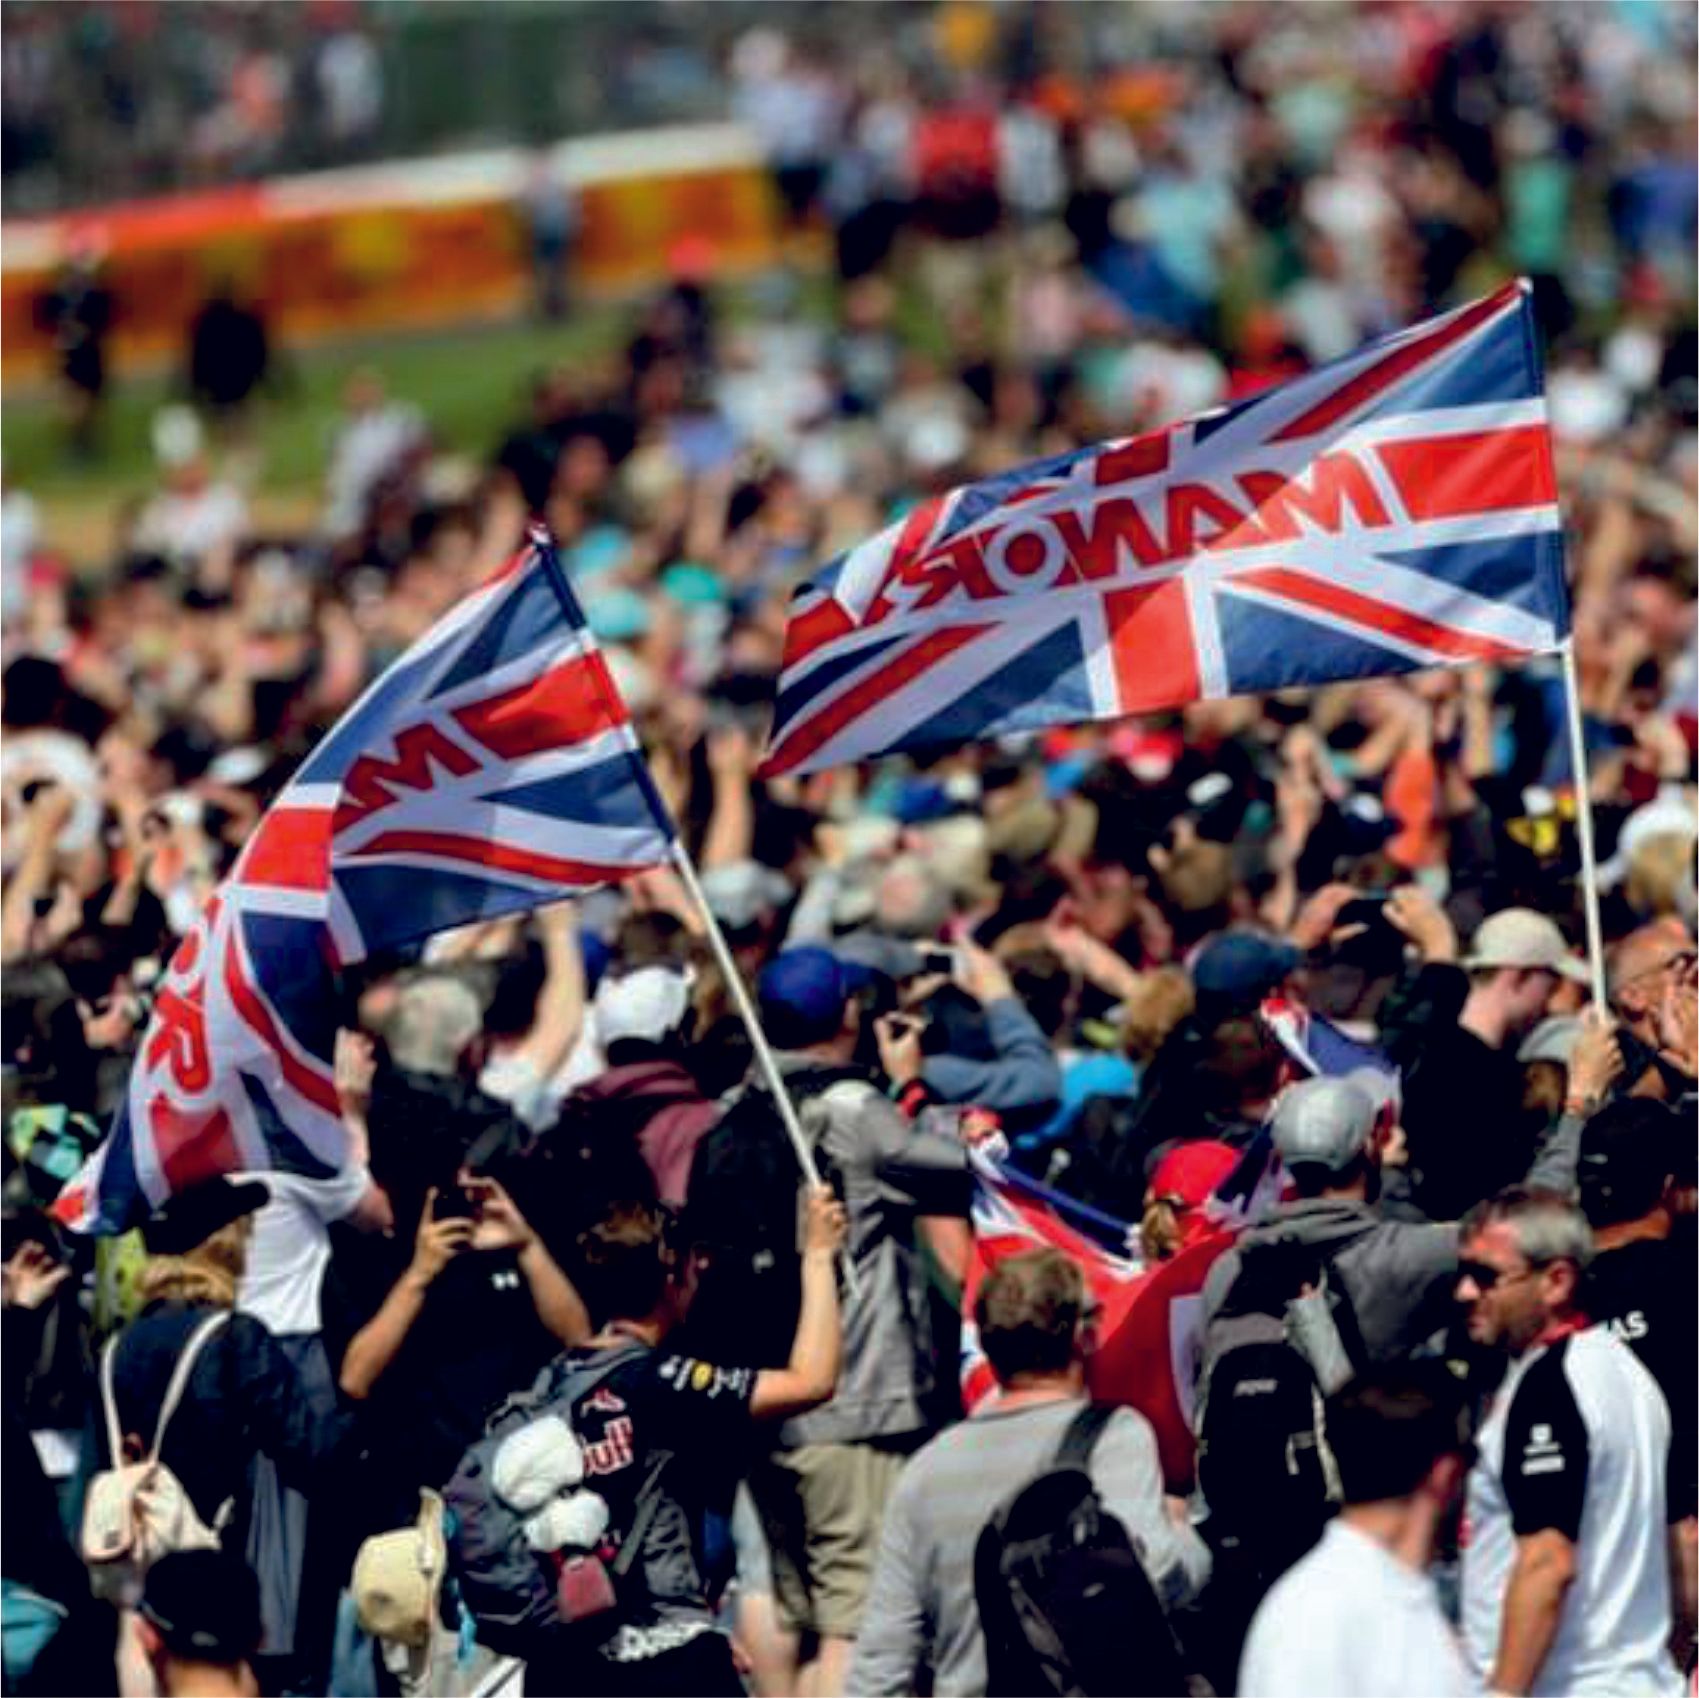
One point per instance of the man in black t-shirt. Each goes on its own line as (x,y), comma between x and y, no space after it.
(1641,1283)
(434,1326)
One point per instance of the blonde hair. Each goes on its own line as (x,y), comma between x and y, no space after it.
(1159,1230)
(1657,871)
(1157,1004)
(209,1273)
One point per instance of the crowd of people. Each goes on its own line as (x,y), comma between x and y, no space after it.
(108,102)
(556,1371)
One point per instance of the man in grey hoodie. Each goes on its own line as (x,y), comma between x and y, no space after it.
(1396,1276)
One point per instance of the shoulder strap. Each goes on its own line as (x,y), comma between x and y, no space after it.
(648,1502)
(180,1376)
(1080,1440)
(109,1403)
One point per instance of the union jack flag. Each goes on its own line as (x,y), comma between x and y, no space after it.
(1392,510)
(492,768)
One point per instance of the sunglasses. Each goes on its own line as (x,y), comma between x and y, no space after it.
(1484,1277)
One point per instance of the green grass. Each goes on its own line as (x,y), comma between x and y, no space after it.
(471,384)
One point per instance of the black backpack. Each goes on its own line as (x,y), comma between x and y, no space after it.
(742,1209)
(1064,1602)
(1263,1460)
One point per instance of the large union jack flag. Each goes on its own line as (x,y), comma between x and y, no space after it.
(492,768)
(1392,510)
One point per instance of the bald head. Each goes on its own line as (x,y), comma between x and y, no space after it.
(1645,964)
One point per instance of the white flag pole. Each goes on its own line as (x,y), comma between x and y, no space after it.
(764,1057)
(1584,823)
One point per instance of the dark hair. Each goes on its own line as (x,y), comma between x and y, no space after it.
(627,1259)
(41,1034)
(1391,1424)
(513,1001)
(1627,1156)
(1043,982)
(650,940)
(1242,1063)
(1028,1313)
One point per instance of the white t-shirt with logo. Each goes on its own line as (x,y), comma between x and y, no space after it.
(1577,1440)
(1351,1619)
(291,1247)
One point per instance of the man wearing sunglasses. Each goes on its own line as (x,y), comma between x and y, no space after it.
(1565,1585)
(1654,988)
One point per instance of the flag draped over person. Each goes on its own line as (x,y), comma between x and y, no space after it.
(1146,1319)
(491,769)
(1392,510)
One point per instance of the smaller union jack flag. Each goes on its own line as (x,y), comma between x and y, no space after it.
(1146,1320)
(491,769)
(1392,510)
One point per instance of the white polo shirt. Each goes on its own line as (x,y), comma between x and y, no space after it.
(1351,1621)
(1577,1439)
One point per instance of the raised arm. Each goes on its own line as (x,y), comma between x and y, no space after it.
(811,1376)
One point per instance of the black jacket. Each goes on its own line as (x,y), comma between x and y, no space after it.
(244,1399)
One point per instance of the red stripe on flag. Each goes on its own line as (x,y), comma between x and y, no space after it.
(823,623)
(1151,644)
(290,848)
(1490,471)
(1399,363)
(1378,615)
(192,1147)
(318,1088)
(569,704)
(816,732)
(1142,457)
(501,857)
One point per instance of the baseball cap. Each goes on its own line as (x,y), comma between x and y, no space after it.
(396,1584)
(648,1003)
(1518,937)
(1552,1040)
(205,1605)
(1241,967)
(1323,1123)
(1627,1153)
(1194,1171)
(192,1216)
(803,991)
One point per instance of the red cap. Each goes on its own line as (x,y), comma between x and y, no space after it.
(1194,1171)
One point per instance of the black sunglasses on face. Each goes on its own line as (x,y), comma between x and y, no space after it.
(1484,1278)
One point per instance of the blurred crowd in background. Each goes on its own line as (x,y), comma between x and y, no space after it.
(1050,225)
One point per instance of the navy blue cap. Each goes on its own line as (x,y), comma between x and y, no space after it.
(205,1605)
(802,994)
(1243,967)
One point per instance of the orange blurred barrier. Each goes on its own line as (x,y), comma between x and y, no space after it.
(411,245)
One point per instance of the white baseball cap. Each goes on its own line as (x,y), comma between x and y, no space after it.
(1518,937)
(648,1004)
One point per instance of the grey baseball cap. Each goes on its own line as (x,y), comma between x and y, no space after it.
(1323,1123)
(1519,937)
